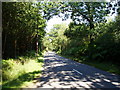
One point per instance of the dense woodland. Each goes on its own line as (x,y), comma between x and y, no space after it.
(23,27)
(89,37)
(23,30)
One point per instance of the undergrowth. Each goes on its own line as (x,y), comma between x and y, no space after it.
(20,72)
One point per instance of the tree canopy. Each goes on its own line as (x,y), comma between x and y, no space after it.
(89,36)
(22,22)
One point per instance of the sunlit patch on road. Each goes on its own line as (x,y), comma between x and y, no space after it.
(64,73)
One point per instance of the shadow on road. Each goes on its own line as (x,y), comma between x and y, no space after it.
(58,72)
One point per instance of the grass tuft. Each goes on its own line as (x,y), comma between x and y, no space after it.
(17,75)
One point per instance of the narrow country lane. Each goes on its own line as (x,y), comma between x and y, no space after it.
(60,72)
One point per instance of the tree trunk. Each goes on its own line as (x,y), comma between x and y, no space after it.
(37,43)
(15,42)
(4,44)
(90,20)
(91,27)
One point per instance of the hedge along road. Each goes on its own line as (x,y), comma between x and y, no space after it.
(60,72)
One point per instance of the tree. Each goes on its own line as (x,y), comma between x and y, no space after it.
(80,12)
(21,24)
(55,39)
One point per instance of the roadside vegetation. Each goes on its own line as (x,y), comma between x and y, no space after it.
(106,66)
(21,72)
(102,53)
(95,42)
(22,50)
(90,38)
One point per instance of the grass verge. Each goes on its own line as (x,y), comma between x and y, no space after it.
(106,66)
(18,75)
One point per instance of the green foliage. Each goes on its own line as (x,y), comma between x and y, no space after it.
(107,44)
(9,69)
(104,48)
(90,11)
(15,74)
(55,39)
(89,37)
(106,66)
(31,54)
(22,23)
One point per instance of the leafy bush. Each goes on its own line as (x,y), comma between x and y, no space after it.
(107,46)
(11,69)
(14,73)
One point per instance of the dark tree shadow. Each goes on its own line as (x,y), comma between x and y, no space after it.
(59,71)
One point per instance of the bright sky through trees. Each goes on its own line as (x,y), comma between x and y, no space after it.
(56,20)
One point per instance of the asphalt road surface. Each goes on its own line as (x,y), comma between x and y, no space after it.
(60,72)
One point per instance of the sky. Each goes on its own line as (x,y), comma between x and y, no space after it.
(56,20)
